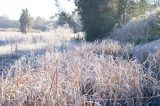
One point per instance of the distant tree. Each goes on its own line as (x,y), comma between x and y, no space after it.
(25,21)
(39,23)
(156,3)
(133,8)
(98,17)
(137,8)
(122,6)
(5,22)
(143,6)
(130,9)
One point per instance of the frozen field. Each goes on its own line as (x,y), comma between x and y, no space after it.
(49,69)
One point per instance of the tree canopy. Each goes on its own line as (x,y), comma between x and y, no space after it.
(99,16)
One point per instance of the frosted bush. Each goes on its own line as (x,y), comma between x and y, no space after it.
(137,30)
(141,52)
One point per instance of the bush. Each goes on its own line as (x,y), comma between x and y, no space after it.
(140,30)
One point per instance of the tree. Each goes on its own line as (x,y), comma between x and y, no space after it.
(66,19)
(143,6)
(98,17)
(156,3)
(25,21)
(155,27)
(5,22)
(137,8)
(39,23)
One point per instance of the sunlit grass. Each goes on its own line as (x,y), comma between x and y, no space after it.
(91,74)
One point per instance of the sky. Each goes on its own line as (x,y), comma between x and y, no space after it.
(42,8)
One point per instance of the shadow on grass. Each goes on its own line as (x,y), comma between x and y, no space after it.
(7,61)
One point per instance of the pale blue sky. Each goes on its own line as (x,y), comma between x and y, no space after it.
(43,8)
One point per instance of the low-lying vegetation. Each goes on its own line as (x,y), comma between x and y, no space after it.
(92,74)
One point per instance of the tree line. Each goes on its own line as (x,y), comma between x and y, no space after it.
(99,17)
(60,19)
(38,23)
(5,22)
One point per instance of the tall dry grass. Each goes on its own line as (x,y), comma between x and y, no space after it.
(93,74)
